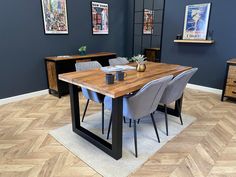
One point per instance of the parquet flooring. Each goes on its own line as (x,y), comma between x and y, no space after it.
(207,148)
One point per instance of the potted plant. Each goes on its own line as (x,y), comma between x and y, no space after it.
(82,50)
(140,60)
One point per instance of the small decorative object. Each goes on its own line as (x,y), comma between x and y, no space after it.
(179,36)
(148,18)
(100,18)
(82,50)
(196,21)
(110,78)
(120,75)
(140,59)
(55,16)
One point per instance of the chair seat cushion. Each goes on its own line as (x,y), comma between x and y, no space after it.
(94,96)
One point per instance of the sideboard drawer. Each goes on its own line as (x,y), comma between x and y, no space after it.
(231,82)
(230,91)
(232,72)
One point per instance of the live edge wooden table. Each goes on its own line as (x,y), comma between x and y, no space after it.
(95,81)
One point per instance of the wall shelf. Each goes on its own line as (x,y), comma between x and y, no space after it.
(195,41)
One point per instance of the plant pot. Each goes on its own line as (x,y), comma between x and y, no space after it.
(141,67)
(82,52)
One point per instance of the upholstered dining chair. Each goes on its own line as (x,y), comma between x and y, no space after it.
(141,104)
(91,95)
(118,61)
(174,91)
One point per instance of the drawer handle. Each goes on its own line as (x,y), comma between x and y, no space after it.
(233,92)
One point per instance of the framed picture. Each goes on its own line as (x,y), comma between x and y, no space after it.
(196,21)
(55,16)
(148,20)
(100,21)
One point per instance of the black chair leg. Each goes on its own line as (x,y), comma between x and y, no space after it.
(138,121)
(102,118)
(155,127)
(124,119)
(130,122)
(85,110)
(166,120)
(135,139)
(180,116)
(109,128)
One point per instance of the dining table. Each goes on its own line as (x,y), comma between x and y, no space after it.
(94,80)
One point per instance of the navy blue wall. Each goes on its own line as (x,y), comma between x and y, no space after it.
(210,59)
(23,44)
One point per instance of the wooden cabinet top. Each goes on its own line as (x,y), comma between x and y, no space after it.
(95,79)
(232,61)
(153,49)
(75,57)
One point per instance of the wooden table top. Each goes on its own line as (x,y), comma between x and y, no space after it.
(232,61)
(95,79)
(72,57)
(152,49)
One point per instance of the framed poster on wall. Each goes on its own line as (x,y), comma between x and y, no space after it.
(196,21)
(55,16)
(148,19)
(100,23)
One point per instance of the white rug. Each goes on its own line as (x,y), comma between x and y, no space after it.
(146,137)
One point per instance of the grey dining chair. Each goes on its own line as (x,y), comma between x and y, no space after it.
(91,95)
(174,91)
(118,61)
(141,104)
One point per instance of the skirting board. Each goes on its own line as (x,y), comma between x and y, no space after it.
(44,92)
(204,89)
(23,97)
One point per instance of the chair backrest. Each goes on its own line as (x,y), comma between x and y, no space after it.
(83,66)
(146,100)
(176,87)
(118,61)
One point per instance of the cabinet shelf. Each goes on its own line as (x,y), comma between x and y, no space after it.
(195,41)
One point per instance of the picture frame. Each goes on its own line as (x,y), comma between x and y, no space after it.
(55,17)
(196,21)
(148,21)
(100,18)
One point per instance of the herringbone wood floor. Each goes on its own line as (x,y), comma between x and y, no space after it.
(207,148)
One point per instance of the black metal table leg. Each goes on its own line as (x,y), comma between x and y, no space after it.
(117,127)
(75,109)
(114,149)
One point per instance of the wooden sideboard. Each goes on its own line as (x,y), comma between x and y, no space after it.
(63,64)
(229,89)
